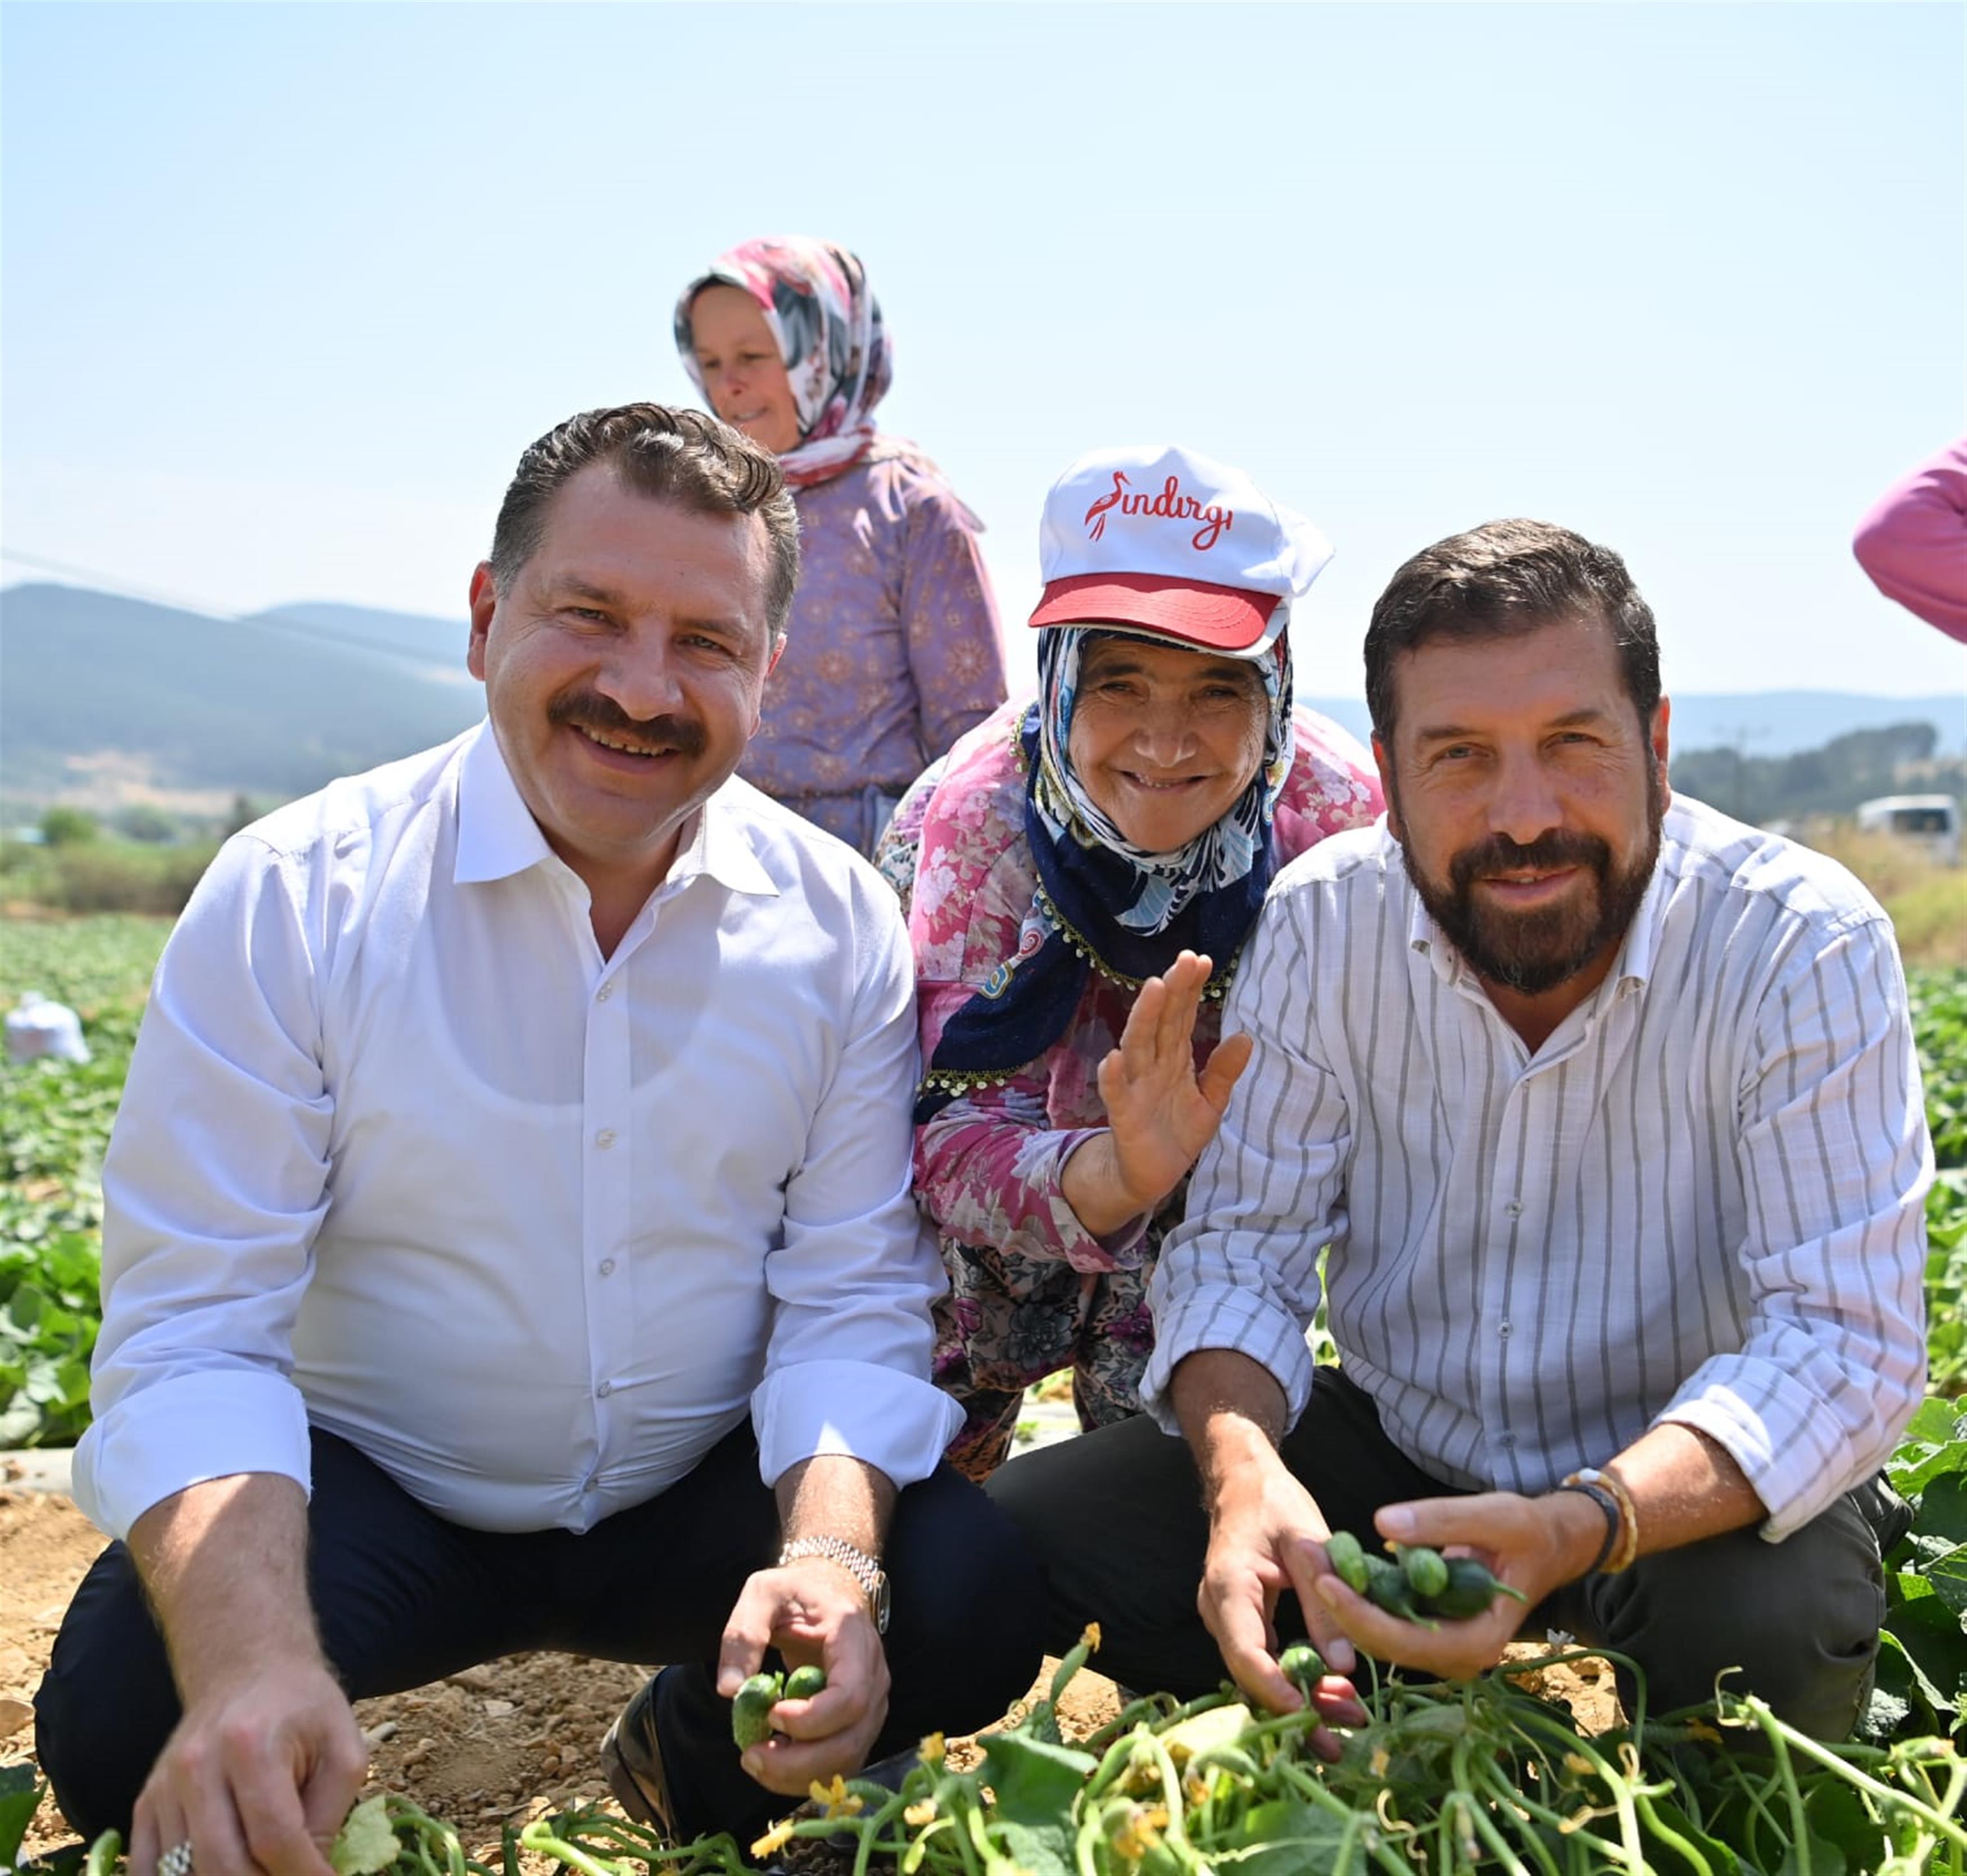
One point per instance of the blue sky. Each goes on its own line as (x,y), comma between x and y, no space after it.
(284,289)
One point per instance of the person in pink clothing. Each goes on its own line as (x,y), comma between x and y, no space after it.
(1913,541)
(1080,876)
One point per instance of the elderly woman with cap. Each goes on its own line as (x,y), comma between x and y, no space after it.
(1087,868)
(893,650)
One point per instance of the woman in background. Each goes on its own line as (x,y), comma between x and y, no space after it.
(893,650)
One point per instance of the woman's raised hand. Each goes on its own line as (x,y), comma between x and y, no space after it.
(1160,1113)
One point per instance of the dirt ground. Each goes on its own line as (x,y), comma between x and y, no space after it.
(509,1742)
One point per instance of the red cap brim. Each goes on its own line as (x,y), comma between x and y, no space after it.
(1214,618)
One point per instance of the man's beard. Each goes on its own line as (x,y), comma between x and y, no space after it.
(1530,952)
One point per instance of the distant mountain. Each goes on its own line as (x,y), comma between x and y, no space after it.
(415,637)
(1786,722)
(273,705)
(269,707)
(1763,723)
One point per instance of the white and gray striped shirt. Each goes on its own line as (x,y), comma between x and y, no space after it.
(1701,1200)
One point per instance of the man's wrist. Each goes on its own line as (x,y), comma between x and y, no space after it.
(866,1571)
(1609,1492)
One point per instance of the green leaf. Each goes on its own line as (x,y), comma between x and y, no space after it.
(1662,1858)
(20,1421)
(1035,1781)
(19,1798)
(1837,1814)
(1948,1575)
(1942,1508)
(1934,1444)
(366,1844)
(1036,1850)
(1824,1859)
(1286,1837)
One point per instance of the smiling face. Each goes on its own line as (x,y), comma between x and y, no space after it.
(623,670)
(1164,741)
(743,375)
(1527,796)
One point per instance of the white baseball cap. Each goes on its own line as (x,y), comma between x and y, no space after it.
(1167,541)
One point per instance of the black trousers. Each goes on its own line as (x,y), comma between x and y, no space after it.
(1117,1515)
(403,1597)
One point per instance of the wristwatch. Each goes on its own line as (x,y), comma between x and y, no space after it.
(864,1569)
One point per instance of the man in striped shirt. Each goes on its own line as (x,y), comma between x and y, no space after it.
(1603,1112)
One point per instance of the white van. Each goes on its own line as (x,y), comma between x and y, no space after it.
(1932,821)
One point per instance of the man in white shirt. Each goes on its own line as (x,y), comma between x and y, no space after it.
(1605,1116)
(509,1242)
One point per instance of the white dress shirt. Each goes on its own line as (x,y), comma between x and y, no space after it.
(402,1155)
(1700,1201)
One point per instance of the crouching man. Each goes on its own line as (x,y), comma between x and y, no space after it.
(1604,1111)
(509,1243)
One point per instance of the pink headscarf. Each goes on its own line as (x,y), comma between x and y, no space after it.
(821,311)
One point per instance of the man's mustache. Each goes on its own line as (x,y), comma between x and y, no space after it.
(589,710)
(1499,854)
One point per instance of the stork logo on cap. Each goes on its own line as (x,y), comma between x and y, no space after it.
(1169,504)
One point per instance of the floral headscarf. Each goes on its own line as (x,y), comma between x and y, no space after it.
(827,322)
(1103,904)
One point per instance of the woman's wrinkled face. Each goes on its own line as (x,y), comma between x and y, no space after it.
(743,375)
(1164,741)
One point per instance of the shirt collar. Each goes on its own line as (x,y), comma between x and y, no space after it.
(719,842)
(498,836)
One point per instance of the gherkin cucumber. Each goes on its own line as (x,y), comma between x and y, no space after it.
(751,1711)
(1347,1557)
(1388,1586)
(1426,1569)
(1470,1589)
(1301,1664)
(803,1682)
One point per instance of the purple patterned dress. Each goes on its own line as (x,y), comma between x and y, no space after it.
(893,651)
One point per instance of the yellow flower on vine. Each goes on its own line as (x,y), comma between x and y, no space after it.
(775,1839)
(839,1800)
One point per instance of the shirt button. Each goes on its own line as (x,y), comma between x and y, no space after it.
(607,1266)
(605,1138)
(1502,1329)
(1514,1209)
(1506,1439)
(606,991)
(605,1390)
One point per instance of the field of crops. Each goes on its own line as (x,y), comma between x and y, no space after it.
(1486,1776)
(54,1121)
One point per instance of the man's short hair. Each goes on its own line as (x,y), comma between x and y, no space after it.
(670,455)
(1499,580)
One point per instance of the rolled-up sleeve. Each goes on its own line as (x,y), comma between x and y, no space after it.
(213,1189)
(1835,1160)
(1240,1272)
(846,1366)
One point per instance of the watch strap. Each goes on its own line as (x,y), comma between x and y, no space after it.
(865,1570)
